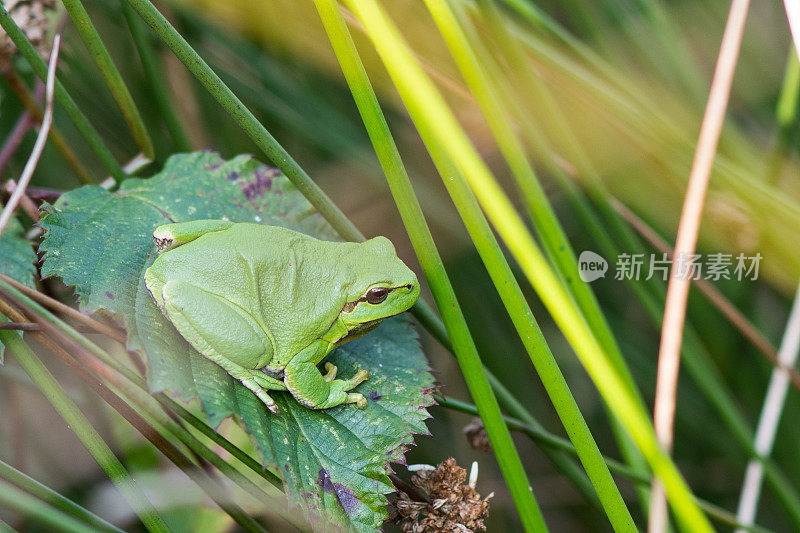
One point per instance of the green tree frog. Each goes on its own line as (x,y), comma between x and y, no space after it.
(267,304)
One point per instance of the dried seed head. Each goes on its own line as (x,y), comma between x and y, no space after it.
(451,504)
(477,436)
(31,17)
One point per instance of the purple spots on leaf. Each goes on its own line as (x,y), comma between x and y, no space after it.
(374,396)
(109,295)
(343,494)
(233,176)
(324,480)
(262,182)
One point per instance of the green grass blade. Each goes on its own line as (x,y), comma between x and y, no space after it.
(511,404)
(38,511)
(500,272)
(553,238)
(436,122)
(155,78)
(422,240)
(91,440)
(102,59)
(39,67)
(51,497)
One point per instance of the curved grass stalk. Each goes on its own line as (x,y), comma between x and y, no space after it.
(102,59)
(414,220)
(39,67)
(82,428)
(41,139)
(685,245)
(51,497)
(136,403)
(436,122)
(66,333)
(39,511)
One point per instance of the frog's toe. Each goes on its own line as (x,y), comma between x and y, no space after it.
(361,376)
(330,372)
(358,399)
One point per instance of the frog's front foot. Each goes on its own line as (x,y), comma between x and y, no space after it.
(358,399)
(355,397)
(361,376)
(317,391)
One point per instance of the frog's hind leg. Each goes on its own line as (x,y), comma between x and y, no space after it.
(253,380)
(206,320)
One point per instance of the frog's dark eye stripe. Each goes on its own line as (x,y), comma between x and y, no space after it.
(376,295)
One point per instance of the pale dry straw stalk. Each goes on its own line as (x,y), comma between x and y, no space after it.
(686,243)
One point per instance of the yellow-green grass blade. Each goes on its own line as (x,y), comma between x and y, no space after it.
(422,240)
(436,122)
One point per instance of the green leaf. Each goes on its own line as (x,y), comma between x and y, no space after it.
(16,258)
(334,462)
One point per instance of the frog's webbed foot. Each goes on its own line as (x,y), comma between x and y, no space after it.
(317,391)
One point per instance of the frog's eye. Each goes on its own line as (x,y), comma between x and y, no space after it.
(376,295)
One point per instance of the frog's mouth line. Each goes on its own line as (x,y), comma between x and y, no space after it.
(359,331)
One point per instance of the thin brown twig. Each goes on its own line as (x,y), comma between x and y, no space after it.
(41,140)
(44,194)
(30,102)
(33,326)
(686,243)
(714,296)
(68,311)
(15,138)
(25,201)
(20,326)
